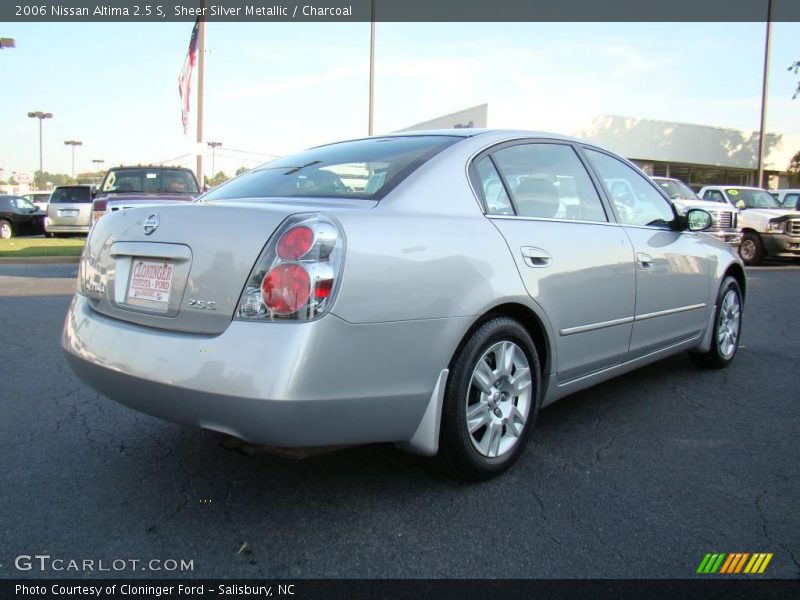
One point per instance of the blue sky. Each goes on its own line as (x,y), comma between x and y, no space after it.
(278,88)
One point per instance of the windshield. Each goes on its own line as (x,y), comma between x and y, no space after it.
(150,180)
(752,198)
(366,169)
(676,189)
(71,195)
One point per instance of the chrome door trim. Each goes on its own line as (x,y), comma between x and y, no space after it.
(669,311)
(592,326)
(603,324)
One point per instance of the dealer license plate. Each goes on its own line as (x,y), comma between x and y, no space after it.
(150,280)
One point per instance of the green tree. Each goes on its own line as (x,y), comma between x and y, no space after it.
(46,180)
(241,170)
(220,177)
(794,170)
(795,66)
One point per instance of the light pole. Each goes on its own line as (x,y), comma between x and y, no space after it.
(98,164)
(214,146)
(73,143)
(764,87)
(41,116)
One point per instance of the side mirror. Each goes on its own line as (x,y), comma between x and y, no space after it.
(741,205)
(698,220)
(206,187)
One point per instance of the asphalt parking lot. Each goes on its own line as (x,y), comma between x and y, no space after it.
(639,477)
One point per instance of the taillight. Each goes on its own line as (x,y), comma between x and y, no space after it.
(286,289)
(295,243)
(296,275)
(98,210)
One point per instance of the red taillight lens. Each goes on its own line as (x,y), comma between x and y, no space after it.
(295,243)
(296,276)
(286,288)
(322,289)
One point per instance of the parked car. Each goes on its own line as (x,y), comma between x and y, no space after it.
(725,225)
(69,210)
(38,199)
(129,187)
(433,308)
(788,199)
(18,215)
(768,229)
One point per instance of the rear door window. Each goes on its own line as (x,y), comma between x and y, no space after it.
(549,181)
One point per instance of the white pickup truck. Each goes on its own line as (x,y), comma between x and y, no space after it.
(725,217)
(768,229)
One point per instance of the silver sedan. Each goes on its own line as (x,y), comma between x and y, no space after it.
(431,289)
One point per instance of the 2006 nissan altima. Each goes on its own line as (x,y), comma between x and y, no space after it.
(432,289)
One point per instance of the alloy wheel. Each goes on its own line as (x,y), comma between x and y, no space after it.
(730,314)
(498,400)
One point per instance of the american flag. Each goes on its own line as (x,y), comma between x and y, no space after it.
(185,76)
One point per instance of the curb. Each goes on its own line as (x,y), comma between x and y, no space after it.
(41,260)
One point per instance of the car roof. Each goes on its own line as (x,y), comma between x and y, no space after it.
(465,133)
(171,168)
(732,187)
(73,185)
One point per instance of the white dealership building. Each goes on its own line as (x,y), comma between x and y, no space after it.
(697,154)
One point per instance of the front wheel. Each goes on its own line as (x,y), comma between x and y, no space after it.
(491,401)
(751,250)
(727,328)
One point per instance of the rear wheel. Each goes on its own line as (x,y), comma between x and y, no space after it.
(6,230)
(751,250)
(491,401)
(727,328)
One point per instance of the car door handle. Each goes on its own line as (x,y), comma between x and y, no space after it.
(536,257)
(645,260)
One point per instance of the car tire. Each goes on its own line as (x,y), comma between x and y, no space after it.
(751,250)
(6,230)
(727,328)
(491,401)
(47,234)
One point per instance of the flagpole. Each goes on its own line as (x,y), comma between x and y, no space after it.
(201,61)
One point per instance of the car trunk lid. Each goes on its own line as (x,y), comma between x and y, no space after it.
(182,267)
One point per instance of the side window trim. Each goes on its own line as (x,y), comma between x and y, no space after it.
(503,180)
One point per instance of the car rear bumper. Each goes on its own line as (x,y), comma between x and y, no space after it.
(322,383)
(55,227)
(781,245)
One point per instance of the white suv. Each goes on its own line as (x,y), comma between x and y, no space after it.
(768,229)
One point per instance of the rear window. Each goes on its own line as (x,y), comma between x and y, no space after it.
(71,195)
(367,169)
(150,180)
